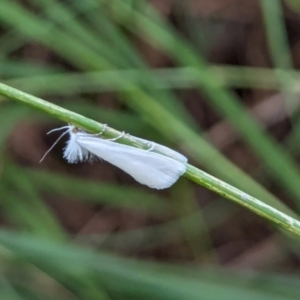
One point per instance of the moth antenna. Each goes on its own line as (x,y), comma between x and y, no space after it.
(55,143)
(60,128)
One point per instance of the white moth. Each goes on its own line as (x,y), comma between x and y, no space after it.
(155,170)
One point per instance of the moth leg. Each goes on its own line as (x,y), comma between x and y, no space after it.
(151,145)
(118,137)
(103,130)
